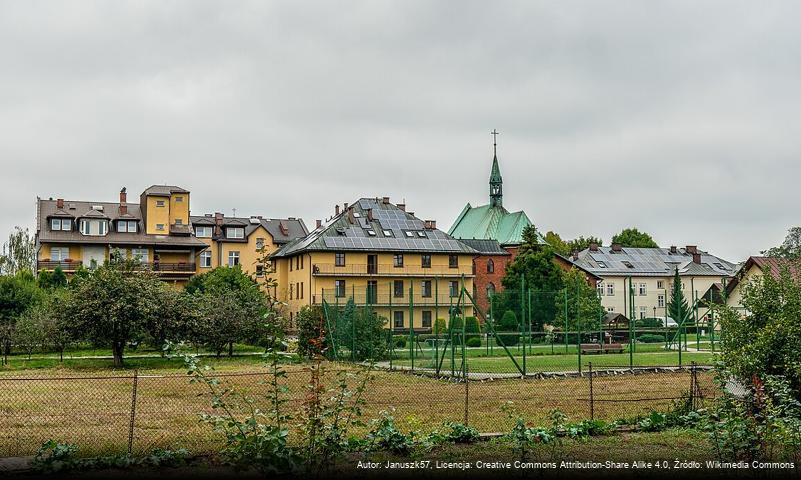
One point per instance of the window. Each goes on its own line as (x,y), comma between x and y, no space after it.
(660,284)
(426,318)
(660,301)
(160,226)
(408,233)
(203,232)
(600,287)
(426,287)
(178,221)
(453,261)
(64,224)
(453,288)
(642,290)
(339,259)
(371,233)
(140,254)
(291,291)
(301,290)
(610,309)
(339,288)
(397,260)
(205,259)
(425,260)
(179,199)
(259,270)
(602,264)
(490,290)
(387,233)
(372,291)
(421,234)
(610,289)
(59,254)
(490,266)
(94,227)
(643,310)
(235,232)
(259,243)
(126,226)
(397,317)
(627,264)
(397,288)
(159,203)
(233,259)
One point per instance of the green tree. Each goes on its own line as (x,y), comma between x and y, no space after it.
(677,306)
(764,338)
(311,332)
(533,269)
(790,248)
(509,323)
(19,253)
(55,279)
(584,309)
(633,238)
(581,243)
(114,304)
(18,293)
(554,240)
(222,320)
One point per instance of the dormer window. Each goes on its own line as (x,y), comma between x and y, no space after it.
(203,232)
(126,226)
(94,227)
(421,234)
(159,203)
(64,224)
(387,233)
(235,232)
(408,234)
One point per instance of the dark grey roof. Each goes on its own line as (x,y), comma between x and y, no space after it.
(350,231)
(293,228)
(163,190)
(111,211)
(485,247)
(651,262)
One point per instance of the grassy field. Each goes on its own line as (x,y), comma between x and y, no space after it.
(92,408)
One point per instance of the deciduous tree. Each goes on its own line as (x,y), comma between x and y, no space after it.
(633,238)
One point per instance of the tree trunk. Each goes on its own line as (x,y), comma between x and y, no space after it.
(230,349)
(117,349)
(61,356)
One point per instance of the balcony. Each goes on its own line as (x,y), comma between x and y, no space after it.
(65,266)
(171,268)
(385,299)
(356,270)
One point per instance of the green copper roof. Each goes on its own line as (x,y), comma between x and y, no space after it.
(495,174)
(490,223)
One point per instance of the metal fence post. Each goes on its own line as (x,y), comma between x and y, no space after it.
(133,412)
(592,398)
(466,394)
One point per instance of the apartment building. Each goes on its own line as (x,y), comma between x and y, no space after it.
(376,253)
(156,230)
(648,274)
(243,241)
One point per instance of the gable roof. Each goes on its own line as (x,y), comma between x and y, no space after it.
(488,222)
(283,230)
(768,265)
(657,262)
(485,247)
(350,231)
(163,190)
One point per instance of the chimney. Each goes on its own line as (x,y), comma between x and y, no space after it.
(319,223)
(616,247)
(691,249)
(385,200)
(410,213)
(593,247)
(402,207)
(282,227)
(123,200)
(370,214)
(123,195)
(336,209)
(574,255)
(673,249)
(697,258)
(346,206)
(430,224)
(351,218)
(60,203)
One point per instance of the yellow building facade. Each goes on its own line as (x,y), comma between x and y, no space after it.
(377,254)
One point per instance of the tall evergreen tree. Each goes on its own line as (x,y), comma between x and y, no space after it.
(678,309)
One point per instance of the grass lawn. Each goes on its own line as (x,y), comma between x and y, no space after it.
(94,409)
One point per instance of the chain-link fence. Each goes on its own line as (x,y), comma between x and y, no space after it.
(139,412)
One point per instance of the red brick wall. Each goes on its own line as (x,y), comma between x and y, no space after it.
(483,278)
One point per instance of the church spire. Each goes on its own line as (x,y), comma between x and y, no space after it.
(495,180)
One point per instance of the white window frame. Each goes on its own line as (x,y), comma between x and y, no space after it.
(642,290)
(610,289)
(205,259)
(160,203)
(200,231)
(230,232)
(142,253)
(64,224)
(600,288)
(660,284)
(660,300)
(233,258)
(63,254)
(259,243)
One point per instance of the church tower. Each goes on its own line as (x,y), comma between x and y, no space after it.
(495,180)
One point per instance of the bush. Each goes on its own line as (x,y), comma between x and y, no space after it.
(399,341)
(508,322)
(440,327)
(651,338)
(473,342)
(472,329)
(311,331)
(510,339)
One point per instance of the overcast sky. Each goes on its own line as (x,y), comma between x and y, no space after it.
(680,118)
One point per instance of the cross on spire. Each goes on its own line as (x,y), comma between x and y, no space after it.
(494,134)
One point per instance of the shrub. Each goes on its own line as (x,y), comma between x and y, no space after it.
(440,327)
(399,341)
(472,329)
(651,338)
(510,339)
(508,322)
(473,342)
(311,331)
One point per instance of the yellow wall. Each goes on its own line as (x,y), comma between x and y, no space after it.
(735,298)
(315,287)
(179,210)
(157,215)
(248,253)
